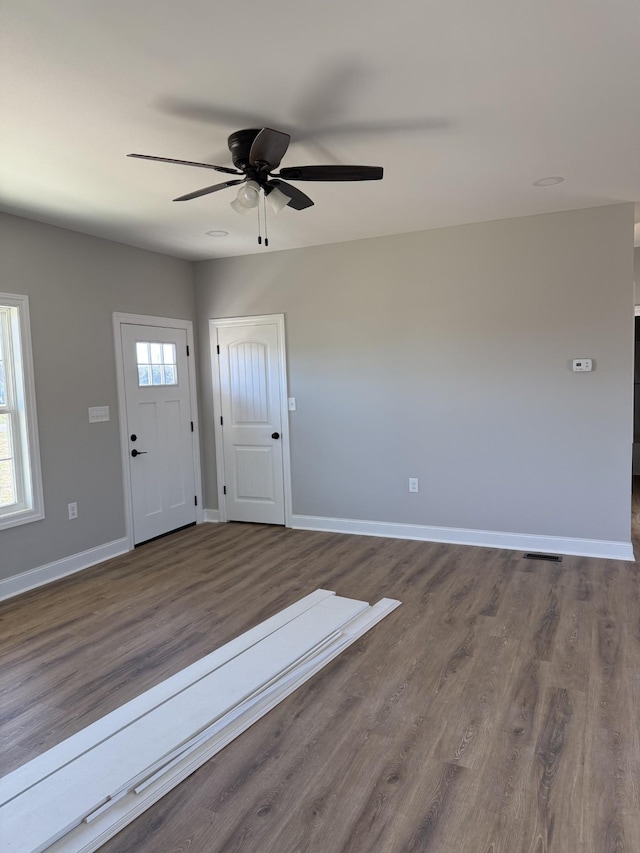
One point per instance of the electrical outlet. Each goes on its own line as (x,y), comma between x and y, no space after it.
(73,510)
(413,484)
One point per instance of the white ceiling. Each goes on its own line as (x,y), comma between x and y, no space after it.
(463,103)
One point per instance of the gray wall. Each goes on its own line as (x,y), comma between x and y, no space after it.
(442,355)
(445,355)
(74,283)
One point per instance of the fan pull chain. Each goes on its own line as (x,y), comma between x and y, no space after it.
(259,228)
(266,233)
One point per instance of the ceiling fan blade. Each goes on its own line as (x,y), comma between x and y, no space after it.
(298,200)
(332,173)
(186,163)
(207,190)
(269,146)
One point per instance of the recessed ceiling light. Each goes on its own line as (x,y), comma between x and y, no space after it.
(551,181)
(217,233)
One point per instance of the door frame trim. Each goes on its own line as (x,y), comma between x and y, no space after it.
(119,320)
(255,320)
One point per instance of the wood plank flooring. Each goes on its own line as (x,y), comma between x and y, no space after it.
(496,711)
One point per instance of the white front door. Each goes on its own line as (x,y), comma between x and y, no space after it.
(250,381)
(159,429)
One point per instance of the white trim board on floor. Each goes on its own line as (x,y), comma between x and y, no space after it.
(606,549)
(79,794)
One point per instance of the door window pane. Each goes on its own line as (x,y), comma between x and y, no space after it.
(142,353)
(144,374)
(157,363)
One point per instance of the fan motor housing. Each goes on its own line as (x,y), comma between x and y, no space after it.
(240,144)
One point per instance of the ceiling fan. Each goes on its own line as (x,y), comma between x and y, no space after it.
(256,153)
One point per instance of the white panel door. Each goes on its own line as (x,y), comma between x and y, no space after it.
(251,422)
(160,436)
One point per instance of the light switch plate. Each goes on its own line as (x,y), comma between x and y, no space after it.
(292,404)
(98,414)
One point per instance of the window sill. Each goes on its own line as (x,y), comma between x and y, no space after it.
(21,516)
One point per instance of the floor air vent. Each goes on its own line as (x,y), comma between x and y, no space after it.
(550,558)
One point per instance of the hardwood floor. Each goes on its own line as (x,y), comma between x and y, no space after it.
(496,711)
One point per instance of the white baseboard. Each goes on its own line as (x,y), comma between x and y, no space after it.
(60,568)
(606,549)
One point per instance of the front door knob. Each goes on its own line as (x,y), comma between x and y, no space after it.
(135,452)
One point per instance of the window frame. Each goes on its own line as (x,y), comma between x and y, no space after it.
(21,408)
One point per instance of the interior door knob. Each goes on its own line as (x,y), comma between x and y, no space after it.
(275,435)
(135,452)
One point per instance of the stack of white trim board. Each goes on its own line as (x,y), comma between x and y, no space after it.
(80,793)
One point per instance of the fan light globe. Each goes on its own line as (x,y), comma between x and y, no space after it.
(249,194)
(237,205)
(277,200)
(247,198)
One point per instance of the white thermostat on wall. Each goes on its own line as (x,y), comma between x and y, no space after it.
(582,364)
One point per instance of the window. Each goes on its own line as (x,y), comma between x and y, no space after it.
(156,363)
(20,479)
